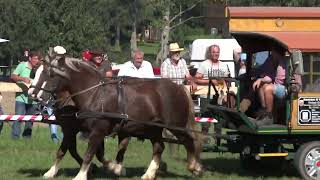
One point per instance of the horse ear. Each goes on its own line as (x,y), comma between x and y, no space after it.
(72,63)
(50,51)
(47,59)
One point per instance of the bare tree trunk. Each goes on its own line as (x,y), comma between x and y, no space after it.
(133,40)
(163,53)
(117,39)
(167,27)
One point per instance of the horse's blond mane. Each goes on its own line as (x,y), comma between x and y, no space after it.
(78,65)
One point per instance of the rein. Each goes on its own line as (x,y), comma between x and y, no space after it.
(68,98)
(122,117)
(42,89)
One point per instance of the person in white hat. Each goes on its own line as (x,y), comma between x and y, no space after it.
(59,52)
(175,67)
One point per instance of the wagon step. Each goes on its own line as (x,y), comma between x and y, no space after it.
(273,154)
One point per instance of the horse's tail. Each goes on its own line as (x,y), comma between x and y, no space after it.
(191,124)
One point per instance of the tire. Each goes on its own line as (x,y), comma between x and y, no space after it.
(248,162)
(307,160)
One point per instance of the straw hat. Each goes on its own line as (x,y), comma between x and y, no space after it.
(174,47)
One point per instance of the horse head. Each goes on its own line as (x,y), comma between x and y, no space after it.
(56,74)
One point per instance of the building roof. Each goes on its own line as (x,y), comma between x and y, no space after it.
(263,12)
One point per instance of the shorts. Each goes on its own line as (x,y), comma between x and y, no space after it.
(279,91)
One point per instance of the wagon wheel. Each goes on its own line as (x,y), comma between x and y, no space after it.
(307,160)
(247,160)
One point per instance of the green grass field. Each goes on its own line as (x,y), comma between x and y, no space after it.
(30,159)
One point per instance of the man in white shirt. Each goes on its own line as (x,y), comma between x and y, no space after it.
(137,67)
(212,67)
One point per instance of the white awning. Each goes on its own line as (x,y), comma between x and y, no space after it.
(227,47)
(3,40)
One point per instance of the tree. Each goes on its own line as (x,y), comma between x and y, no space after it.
(169,22)
(119,16)
(73,24)
(20,23)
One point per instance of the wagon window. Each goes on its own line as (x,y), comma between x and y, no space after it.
(259,58)
(311,76)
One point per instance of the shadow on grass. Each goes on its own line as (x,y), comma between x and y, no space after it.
(98,173)
(265,168)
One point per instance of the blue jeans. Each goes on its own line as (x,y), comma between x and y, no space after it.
(1,122)
(53,128)
(279,91)
(23,109)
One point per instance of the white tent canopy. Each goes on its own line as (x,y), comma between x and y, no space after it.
(3,40)
(227,47)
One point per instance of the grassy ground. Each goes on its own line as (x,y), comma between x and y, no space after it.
(30,159)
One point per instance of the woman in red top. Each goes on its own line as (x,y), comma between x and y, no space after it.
(99,60)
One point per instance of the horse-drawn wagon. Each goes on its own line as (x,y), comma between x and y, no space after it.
(294,136)
(295,133)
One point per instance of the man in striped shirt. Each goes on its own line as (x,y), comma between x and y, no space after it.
(175,67)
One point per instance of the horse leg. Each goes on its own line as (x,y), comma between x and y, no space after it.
(192,144)
(117,167)
(167,134)
(158,147)
(65,144)
(94,143)
(74,153)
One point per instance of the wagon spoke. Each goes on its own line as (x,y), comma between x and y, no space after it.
(318,174)
(314,153)
(309,161)
(311,171)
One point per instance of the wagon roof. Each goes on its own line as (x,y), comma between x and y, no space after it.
(264,11)
(262,41)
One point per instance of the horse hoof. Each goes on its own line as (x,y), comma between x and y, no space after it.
(147,177)
(117,169)
(110,165)
(50,173)
(120,171)
(79,178)
(198,171)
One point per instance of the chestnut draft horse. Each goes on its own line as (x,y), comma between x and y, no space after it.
(143,100)
(70,126)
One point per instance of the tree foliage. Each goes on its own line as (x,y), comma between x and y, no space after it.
(82,24)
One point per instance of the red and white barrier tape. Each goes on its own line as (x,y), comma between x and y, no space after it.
(52,118)
(205,119)
(26,118)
